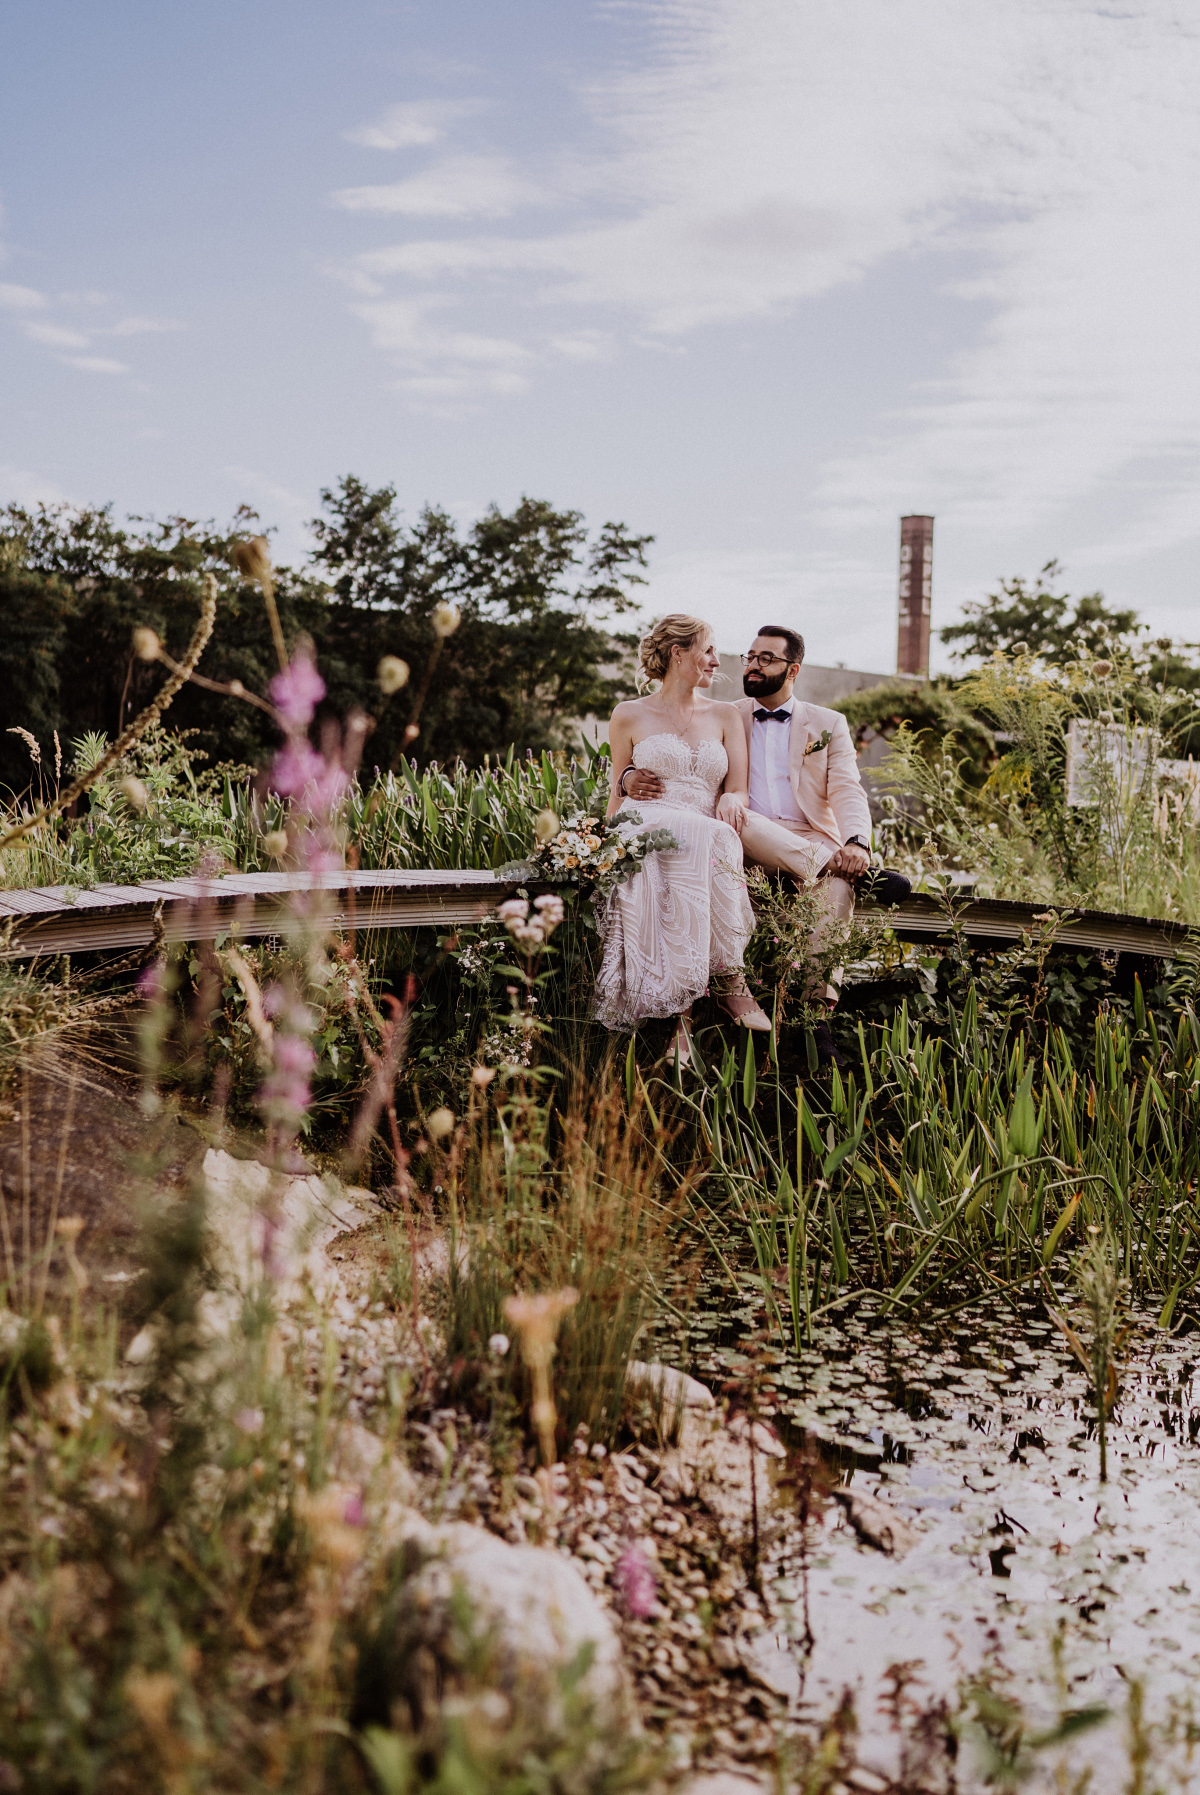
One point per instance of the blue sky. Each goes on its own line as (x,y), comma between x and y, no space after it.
(754,275)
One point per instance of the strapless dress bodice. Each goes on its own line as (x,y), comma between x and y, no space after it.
(692,777)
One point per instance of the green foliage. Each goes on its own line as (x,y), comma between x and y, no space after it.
(548,1193)
(1034,618)
(1124,838)
(931,710)
(534,649)
(964,1154)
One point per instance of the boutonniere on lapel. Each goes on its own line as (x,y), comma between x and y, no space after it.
(819,742)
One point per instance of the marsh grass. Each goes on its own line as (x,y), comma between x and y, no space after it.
(570,1190)
(946,1162)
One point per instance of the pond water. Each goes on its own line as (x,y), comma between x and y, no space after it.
(982,1432)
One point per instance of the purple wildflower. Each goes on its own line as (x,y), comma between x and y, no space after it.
(313,782)
(298,691)
(285,1090)
(296,766)
(635,1581)
(354,1512)
(150,981)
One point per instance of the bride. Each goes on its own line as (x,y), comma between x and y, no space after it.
(682,924)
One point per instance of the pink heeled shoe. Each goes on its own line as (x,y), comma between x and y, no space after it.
(744,1010)
(681,1046)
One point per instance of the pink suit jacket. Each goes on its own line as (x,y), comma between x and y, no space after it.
(828,787)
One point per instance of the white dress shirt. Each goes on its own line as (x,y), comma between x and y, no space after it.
(771,791)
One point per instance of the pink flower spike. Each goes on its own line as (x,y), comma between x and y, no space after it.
(635,1581)
(354,1513)
(296,767)
(150,982)
(298,691)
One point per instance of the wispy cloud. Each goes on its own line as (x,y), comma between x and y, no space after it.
(413,124)
(56,336)
(96,364)
(763,154)
(457,187)
(19,299)
(441,367)
(74,343)
(140,327)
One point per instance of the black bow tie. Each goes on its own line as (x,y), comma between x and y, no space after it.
(762,716)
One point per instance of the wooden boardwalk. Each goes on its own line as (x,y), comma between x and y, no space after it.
(54,920)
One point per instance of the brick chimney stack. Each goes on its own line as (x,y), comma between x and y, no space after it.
(916,592)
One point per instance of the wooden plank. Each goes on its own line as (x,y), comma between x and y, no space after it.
(248,904)
(922,917)
(53,920)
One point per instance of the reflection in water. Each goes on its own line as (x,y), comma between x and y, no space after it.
(983,1434)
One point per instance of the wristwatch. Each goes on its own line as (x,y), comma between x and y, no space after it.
(851,841)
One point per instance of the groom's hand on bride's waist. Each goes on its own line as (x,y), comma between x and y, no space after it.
(642,786)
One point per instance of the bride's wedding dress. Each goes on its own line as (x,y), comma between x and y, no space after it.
(685,915)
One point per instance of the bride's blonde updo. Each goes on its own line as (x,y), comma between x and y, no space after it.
(676,630)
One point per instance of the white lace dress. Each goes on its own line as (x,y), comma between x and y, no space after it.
(686,914)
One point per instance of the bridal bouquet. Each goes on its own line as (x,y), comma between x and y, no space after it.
(597,853)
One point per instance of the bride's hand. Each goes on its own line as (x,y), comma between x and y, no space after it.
(732,810)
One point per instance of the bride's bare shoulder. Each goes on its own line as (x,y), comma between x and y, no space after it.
(629,708)
(727,712)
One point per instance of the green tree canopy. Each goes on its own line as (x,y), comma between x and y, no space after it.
(1049,623)
(539,645)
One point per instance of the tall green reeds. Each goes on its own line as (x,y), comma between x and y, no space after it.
(937,1168)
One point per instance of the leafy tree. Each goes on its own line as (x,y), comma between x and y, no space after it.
(1049,623)
(535,649)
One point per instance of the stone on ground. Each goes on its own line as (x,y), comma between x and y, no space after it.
(515,1617)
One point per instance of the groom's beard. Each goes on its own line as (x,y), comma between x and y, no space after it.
(762,685)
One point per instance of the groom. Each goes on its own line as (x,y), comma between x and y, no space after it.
(808,813)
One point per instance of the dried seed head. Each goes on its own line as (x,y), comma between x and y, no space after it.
(275,844)
(446,617)
(392,674)
(30,741)
(440,1124)
(252,558)
(151,1694)
(146,645)
(134,792)
(545,827)
(482,1076)
(1101,669)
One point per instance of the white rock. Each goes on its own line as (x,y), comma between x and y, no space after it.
(765,1438)
(769,1662)
(722,1782)
(533,1609)
(668,1393)
(143,1346)
(261,1223)
(877,1522)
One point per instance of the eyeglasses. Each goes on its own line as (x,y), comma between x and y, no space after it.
(764,660)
